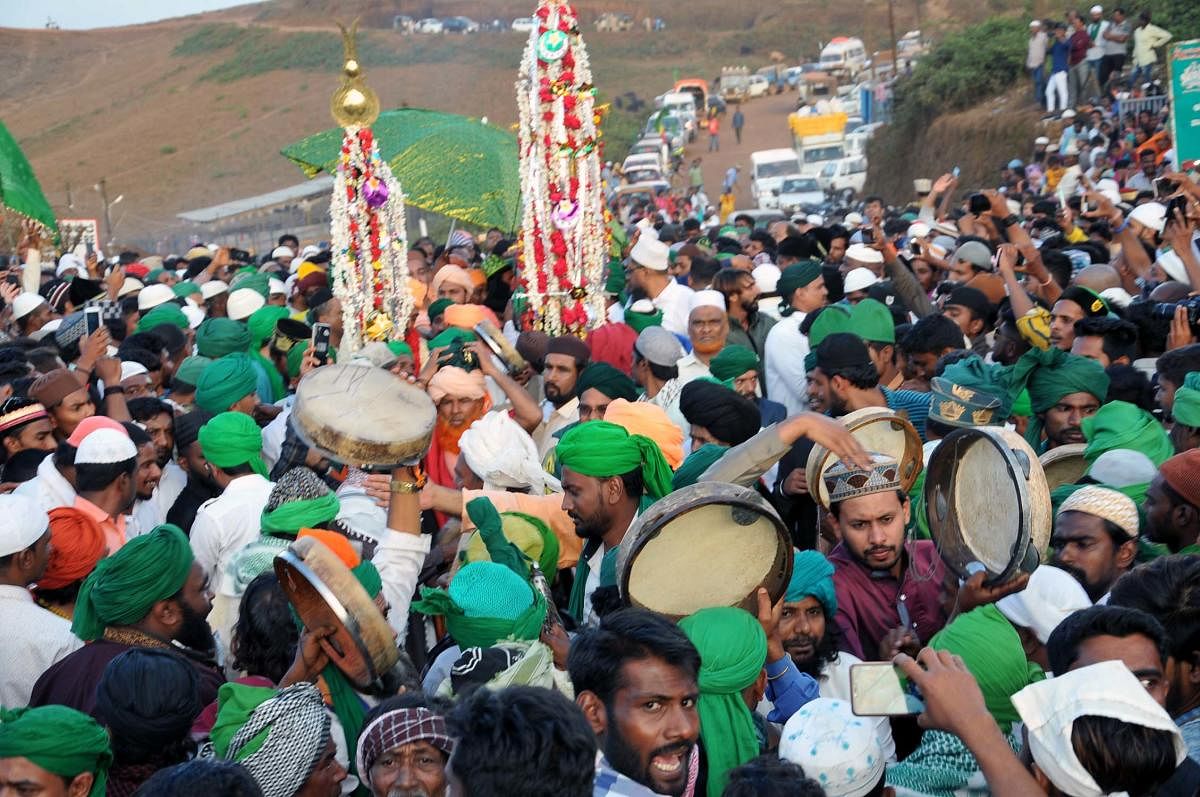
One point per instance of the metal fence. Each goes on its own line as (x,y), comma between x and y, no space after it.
(1135,105)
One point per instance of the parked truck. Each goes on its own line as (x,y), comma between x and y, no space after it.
(818,139)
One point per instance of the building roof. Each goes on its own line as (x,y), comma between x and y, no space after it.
(314,187)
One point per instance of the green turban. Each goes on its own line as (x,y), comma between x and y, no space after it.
(226,381)
(438,307)
(165,313)
(261,324)
(830,320)
(992,651)
(295,357)
(973,373)
(191,369)
(614,283)
(608,380)
(126,584)
(873,321)
(812,577)
(794,277)
(486,603)
(733,649)
(1021,405)
(58,739)
(216,337)
(153,274)
(184,289)
(733,361)
(399,348)
(259,283)
(512,539)
(697,462)
(449,335)
(308,513)
(1052,374)
(231,439)
(1119,424)
(1187,401)
(602,449)
(639,321)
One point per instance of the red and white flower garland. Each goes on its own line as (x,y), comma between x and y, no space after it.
(370,244)
(564,239)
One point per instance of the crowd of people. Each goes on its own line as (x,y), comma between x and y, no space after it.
(153,470)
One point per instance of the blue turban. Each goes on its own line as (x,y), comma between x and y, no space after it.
(812,575)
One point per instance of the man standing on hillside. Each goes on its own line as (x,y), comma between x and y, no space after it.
(739,121)
(714,130)
(1115,41)
(1077,77)
(1097,26)
(1056,88)
(1035,61)
(1146,37)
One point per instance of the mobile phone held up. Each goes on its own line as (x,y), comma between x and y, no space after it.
(320,342)
(93,320)
(881,689)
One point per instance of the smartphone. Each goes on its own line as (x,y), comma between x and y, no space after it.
(1163,187)
(914,246)
(90,249)
(868,235)
(320,341)
(93,318)
(955,171)
(881,689)
(1176,203)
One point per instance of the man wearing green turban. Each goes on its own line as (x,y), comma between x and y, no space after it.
(216,337)
(1063,390)
(1185,433)
(733,650)
(605,473)
(165,313)
(1119,424)
(52,751)
(597,386)
(642,314)
(229,384)
(149,594)
(261,325)
(487,602)
(739,369)
(187,288)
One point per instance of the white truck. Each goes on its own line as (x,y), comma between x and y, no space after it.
(843,56)
(682,104)
(768,167)
(818,150)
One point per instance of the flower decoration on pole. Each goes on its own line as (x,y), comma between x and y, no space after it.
(563,232)
(367,229)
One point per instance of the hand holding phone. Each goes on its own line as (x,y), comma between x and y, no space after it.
(881,689)
(93,319)
(320,342)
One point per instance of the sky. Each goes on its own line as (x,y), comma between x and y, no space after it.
(82,14)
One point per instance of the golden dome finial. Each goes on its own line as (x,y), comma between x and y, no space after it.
(354,103)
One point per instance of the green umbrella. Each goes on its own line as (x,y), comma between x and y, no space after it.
(446,163)
(19,189)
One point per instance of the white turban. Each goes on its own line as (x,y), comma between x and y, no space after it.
(1050,595)
(501,453)
(25,523)
(69,261)
(1049,709)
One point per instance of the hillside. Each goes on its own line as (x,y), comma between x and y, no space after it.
(191,112)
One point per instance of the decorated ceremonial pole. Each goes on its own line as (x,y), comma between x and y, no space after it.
(367,229)
(563,233)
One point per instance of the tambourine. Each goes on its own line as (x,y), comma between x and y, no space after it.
(878,429)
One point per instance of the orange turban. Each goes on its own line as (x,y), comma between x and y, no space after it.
(466,316)
(454,381)
(455,275)
(77,544)
(419,290)
(478,278)
(644,418)
(337,543)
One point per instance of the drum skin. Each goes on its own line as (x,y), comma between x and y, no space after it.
(879,430)
(1064,464)
(323,591)
(708,544)
(988,502)
(361,416)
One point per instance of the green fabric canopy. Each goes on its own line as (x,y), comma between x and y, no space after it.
(20,191)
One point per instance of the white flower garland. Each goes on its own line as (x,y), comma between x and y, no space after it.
(564,237)
(370,244)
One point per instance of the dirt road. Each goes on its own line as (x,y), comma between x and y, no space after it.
(766,128)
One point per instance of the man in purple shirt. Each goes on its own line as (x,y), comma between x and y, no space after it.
(888,592)
(1077,79)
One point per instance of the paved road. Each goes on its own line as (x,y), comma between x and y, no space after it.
(766,128)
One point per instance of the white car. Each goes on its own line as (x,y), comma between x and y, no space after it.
(524,24)
(429,25)
(757,86)
(847,174)
(798,193)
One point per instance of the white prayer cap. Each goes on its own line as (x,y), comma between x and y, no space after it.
(309,251)
(129,369)
(834,747)
(707,298)
(243,302)
(766,277)
(815,219)
(212,288)
(130,285)
(195,315)
(864,254)
(1049,709)
(1106,504)
(642,306)
(25,523)
(1122,467)
(504,456)
(25,303)
(105,446)
(282,251)
(1151,214)
(70,261)
(1068,114)
(1118,296)
(918,229)
(1173,266)
(49,328)
(852,219)
(276,287)
(1097,9)
(650,253)
(647,227)
(859,279)
(1050,596)
(1042,140)
(152,296)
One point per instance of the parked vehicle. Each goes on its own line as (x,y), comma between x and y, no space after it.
(644,160)
(798,193)
(682,104)
(844,56)
(768,167)
(716,105)
(757,86)
(763,217)
(697,88)
(462,25)
(661,122)
(429,25)
(403,23)
(523,24)
(845,176)
(614,22)
(647,146)
(734,83)
(642,191)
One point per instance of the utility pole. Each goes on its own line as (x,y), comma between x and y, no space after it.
(102,188)
(892,32)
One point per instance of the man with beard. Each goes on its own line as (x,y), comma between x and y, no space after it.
(888,592)
(801,292)
(747,326)
(158,419)
(1063,390)
(633,661)
(1172,504)
(739,368)
(144,513)
(811,640)
(605,473)
(1095,538)
(566,357)
(708,328)
(150,594)
(403,748)
(199,487)
(649,279)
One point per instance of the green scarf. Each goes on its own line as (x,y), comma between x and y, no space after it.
(733,361)
(126,585)
(58,739)
(226,381)
(511,539)
(216,337)
(601,449)
(1119,424)
(1186,409)
(231,439)
(292,516)
(733,650)
(941,766)
(235,704)
(697,462)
